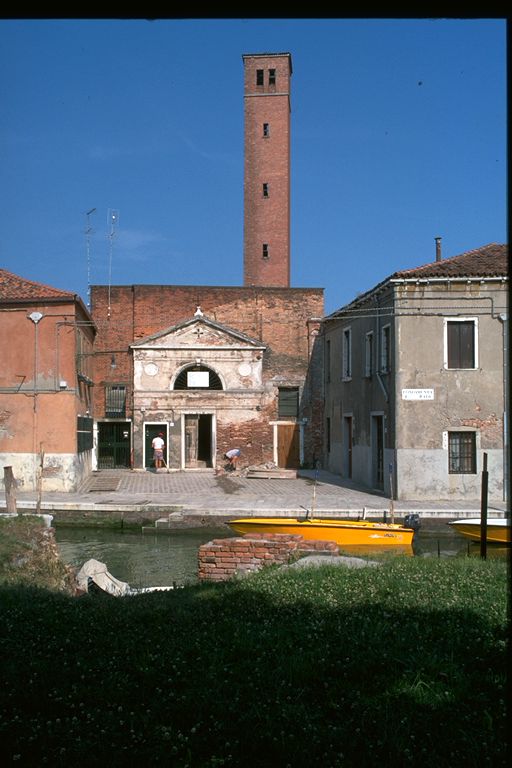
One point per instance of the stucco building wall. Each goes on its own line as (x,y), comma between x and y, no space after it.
(41,392)
(421,400)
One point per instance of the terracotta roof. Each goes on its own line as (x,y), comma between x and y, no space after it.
(488,261)
(16,288)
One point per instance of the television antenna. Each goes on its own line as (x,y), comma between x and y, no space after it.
(112,224)
(88,232)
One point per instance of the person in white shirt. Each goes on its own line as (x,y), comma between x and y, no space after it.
(233,455)
(158,449)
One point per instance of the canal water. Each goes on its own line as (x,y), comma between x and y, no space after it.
(157,560)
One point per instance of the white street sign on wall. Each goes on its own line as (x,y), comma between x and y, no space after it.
(417,394)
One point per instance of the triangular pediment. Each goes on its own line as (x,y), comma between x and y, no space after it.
(198,333)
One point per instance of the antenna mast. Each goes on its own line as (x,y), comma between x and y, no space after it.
(112,222)
(88,232)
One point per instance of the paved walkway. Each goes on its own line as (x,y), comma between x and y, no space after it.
(202,492)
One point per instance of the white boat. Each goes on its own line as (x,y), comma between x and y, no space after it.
(498,529)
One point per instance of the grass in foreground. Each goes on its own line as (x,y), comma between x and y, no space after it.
(398,665)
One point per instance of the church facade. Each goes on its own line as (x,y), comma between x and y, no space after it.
(217,367)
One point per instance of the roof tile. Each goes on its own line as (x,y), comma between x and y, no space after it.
(16,288)
(488,261)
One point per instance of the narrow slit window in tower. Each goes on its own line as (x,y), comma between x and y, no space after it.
(259,77)
(271,77)
(265,252)
(266,130)
(265,189)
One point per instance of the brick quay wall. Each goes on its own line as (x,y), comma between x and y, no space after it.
(222,559)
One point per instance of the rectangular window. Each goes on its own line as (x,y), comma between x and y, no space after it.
(265,189)
(347,353)
(368,354)
(288,403)
(259,77)
(266,129)
(462,453)
(265,251)
(460,342)
(115,401)
(385,349)
(84,439)
(271,77)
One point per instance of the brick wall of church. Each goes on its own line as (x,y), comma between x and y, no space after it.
(279,317)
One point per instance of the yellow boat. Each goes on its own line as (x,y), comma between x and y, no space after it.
(498,529)
(343,532)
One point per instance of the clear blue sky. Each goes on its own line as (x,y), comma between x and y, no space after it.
(398,136)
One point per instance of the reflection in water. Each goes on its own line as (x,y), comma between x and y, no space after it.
(141,559)
(159,560)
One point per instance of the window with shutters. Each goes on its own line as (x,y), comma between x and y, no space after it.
(288,403)
(347,354)
(84,433)
(461,343)
(385,349)
(368,354)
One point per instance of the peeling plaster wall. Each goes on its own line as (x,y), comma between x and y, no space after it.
(61,472)
(41,394)
(458,399)
(434,482)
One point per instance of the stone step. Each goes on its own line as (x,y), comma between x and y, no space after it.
(279,474)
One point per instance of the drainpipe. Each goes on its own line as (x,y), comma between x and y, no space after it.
(35,317)
(503,318)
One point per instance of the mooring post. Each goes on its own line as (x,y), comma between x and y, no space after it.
(483,510)
(10,491)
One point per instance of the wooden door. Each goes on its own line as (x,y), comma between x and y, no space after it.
(191,439)
(288,446)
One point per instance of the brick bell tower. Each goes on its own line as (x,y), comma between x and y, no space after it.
(267,169)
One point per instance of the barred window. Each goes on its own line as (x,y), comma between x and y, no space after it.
(462,453)
(115,401)
(288,403)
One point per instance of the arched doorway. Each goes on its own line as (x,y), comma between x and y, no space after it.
(198,428)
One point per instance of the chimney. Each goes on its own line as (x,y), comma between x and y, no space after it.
(438,249)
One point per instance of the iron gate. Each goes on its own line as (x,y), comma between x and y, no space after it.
(113,444)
